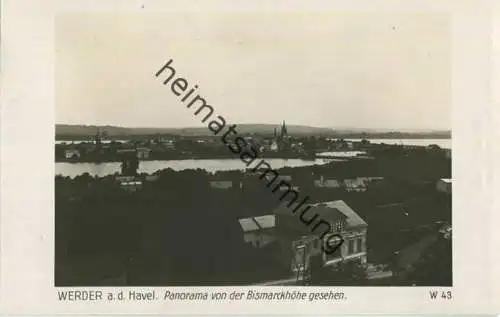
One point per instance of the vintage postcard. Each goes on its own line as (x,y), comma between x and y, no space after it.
(248,157)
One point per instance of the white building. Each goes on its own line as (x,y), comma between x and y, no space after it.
(143,153)
(326,183)
(355,185)
(131,186)
(72,154)
(444,185)
(258,231)
(274,146)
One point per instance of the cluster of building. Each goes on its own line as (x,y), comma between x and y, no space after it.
(305,248)
(98,146)
(134,183)
(280,143)
(357,184)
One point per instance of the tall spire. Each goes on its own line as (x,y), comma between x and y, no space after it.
(284,132)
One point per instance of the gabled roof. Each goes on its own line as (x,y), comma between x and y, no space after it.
(331,211)
(257,223)
(352,218)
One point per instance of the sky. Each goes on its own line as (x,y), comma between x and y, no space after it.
(335,70)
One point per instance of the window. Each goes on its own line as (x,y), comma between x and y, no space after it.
(300,257)
(360,245)
(350,249)
(338,226)
(335,244)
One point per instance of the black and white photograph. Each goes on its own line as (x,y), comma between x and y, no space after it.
(253,148)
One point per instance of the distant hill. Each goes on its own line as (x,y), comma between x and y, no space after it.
(65,131)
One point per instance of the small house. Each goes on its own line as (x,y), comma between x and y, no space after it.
(72,154)
(326,183)
(444,185)
(131,186)
(355,185)
(143,153)
(258,231)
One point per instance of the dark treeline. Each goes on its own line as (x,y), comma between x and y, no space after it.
(178,230)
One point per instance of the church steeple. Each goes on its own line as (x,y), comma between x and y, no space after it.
(284,132)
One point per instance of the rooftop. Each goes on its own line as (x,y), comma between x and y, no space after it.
(331,211)
(352,218)
(257,223)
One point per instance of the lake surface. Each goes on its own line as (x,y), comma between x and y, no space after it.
(345,154)
(442,143)
(103,169)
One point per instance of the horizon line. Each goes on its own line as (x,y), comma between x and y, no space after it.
(352,129)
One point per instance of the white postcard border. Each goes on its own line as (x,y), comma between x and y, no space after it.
(27,135)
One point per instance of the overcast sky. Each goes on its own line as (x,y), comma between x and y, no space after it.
(338,70)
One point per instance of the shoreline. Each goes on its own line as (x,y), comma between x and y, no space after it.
(190,157)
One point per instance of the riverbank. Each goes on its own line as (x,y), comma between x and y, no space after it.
(180,157)
(153,166)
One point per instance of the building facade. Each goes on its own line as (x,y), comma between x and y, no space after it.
(346,234)
(143,153)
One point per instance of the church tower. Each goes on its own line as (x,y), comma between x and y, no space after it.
(284,132)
